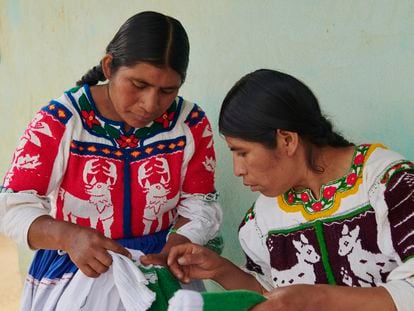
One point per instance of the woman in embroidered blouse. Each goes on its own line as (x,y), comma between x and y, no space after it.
(333,226)
(114,165)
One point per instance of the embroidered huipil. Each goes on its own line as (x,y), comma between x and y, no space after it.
(360,232)
(78,166)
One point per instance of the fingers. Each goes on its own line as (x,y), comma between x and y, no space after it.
(93,270)
(178,271)
(154,259)
(104,258)
(178,251)
(111,245)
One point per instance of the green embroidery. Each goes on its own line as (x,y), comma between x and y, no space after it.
(89,117)
(324,252)
(216,244)
(396,168)
(74,89)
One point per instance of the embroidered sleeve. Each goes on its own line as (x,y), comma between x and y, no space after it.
(399,197)
(34,158)
(26,185)
(257,257)
(201,167)
(199,198)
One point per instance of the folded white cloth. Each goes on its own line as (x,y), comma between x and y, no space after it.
(122,287)
(186,300)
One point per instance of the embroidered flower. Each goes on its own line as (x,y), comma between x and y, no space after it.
(89,117)
(291,198)
(304,196)
(165,119)
(127,141)
(317,206)
(329,192)
(359,159)
(351,179)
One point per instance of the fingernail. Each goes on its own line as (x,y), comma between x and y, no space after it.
(181,261)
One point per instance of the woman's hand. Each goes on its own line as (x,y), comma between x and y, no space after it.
(173,239)
(191,261)
(88,249)
(161,258)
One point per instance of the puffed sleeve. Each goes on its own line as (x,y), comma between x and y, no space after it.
(198,195)
(35,171)
(397,222)
(252,241)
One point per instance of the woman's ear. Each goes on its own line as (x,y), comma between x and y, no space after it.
(106,65)
(287,141)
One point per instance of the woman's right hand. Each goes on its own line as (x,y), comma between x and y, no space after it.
(88,249)
(191,261)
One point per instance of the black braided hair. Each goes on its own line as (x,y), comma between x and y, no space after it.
(147,37)
(266,100)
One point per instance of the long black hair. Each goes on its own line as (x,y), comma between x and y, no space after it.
(266,100)
(148,37)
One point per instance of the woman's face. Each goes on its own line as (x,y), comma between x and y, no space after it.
(269,171)
(143,92)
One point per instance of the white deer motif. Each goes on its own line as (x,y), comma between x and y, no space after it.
(156,193)
(28,161)
(303,272)
(366,266)
(99,205)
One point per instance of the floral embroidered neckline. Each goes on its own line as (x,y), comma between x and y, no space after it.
(330,193)
(100,126)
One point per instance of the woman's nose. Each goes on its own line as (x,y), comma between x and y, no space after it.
(151,101)
(238,168)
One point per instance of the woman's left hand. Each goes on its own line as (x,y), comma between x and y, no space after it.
(161,258)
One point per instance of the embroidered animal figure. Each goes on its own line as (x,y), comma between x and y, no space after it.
(366,266)
(156,193)
(99,205)
(301,273)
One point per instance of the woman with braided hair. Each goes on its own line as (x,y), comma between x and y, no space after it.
(333,226)
(126,163)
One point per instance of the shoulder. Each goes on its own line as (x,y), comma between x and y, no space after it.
(262,214)
(191,113)
(379,161)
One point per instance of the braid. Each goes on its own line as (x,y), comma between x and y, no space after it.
(92,77)
(326,136)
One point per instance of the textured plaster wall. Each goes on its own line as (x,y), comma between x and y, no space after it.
(357,56)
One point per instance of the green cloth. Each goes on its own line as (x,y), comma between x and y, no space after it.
(165,285)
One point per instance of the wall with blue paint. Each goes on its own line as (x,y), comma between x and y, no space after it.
(357,56)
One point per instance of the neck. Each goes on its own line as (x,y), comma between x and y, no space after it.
(334,163)
(103,102)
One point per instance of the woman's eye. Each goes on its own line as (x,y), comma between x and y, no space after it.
(242,154)
(140,85)
(167,91)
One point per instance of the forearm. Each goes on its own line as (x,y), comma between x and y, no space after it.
(323,297)
(48,233)
(356,298)
(175,238)
(231,277)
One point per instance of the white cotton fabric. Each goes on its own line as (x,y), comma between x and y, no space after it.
(186,300)
(18,211)
(205,216)
(122,287)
